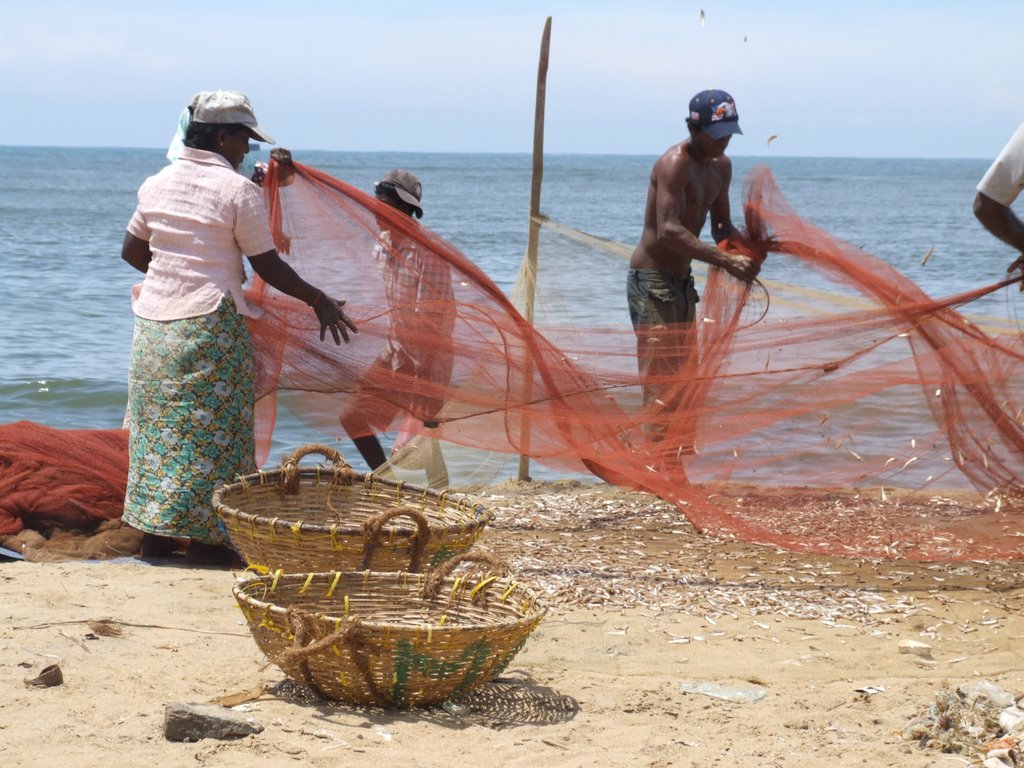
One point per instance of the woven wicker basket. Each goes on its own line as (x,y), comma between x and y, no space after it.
(390,639)
(331,518)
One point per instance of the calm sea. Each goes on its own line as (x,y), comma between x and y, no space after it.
(64,299)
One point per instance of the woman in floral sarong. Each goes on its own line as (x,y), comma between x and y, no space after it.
(191,386)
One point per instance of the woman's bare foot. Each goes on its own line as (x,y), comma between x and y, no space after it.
(157,546)
(200,553)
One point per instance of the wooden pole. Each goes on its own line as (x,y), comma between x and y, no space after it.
(534,236)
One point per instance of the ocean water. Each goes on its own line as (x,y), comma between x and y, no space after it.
(64,299)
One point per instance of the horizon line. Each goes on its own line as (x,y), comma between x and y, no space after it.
(526,153)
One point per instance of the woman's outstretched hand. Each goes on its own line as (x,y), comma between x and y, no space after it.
(329,313)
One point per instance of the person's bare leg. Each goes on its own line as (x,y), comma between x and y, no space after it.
(157,546)
(201,553)
(371,450)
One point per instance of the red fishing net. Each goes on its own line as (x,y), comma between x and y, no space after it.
(864,391)
(60,479)
(814,413)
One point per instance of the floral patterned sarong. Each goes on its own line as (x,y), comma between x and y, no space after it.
(190,403)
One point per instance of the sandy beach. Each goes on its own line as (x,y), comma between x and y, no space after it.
(645,615)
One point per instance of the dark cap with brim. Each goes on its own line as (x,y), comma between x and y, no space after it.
(715,112)
(406,186)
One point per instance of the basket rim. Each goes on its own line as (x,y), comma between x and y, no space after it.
(537,609)
(476,515)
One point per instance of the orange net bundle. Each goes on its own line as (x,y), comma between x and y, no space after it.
(60,479)
(808,409)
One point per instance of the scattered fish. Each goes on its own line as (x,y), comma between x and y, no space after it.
(870,690)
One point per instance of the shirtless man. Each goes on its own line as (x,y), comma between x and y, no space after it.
(688,182)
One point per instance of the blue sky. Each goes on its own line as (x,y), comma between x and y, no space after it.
(866,79)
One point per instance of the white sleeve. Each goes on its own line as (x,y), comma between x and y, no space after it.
(1005,178)
(252,220)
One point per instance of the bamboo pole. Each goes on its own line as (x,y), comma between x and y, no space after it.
(531,243)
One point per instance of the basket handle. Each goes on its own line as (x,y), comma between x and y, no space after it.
(290,466)
(432,583)
(374,526)
(311,639)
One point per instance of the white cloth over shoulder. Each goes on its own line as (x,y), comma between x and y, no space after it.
(1005,178)
(178,140)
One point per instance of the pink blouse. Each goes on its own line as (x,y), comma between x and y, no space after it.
(200,217)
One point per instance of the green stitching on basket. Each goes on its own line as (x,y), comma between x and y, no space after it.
(442,554)
(510,655)
(407,661)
